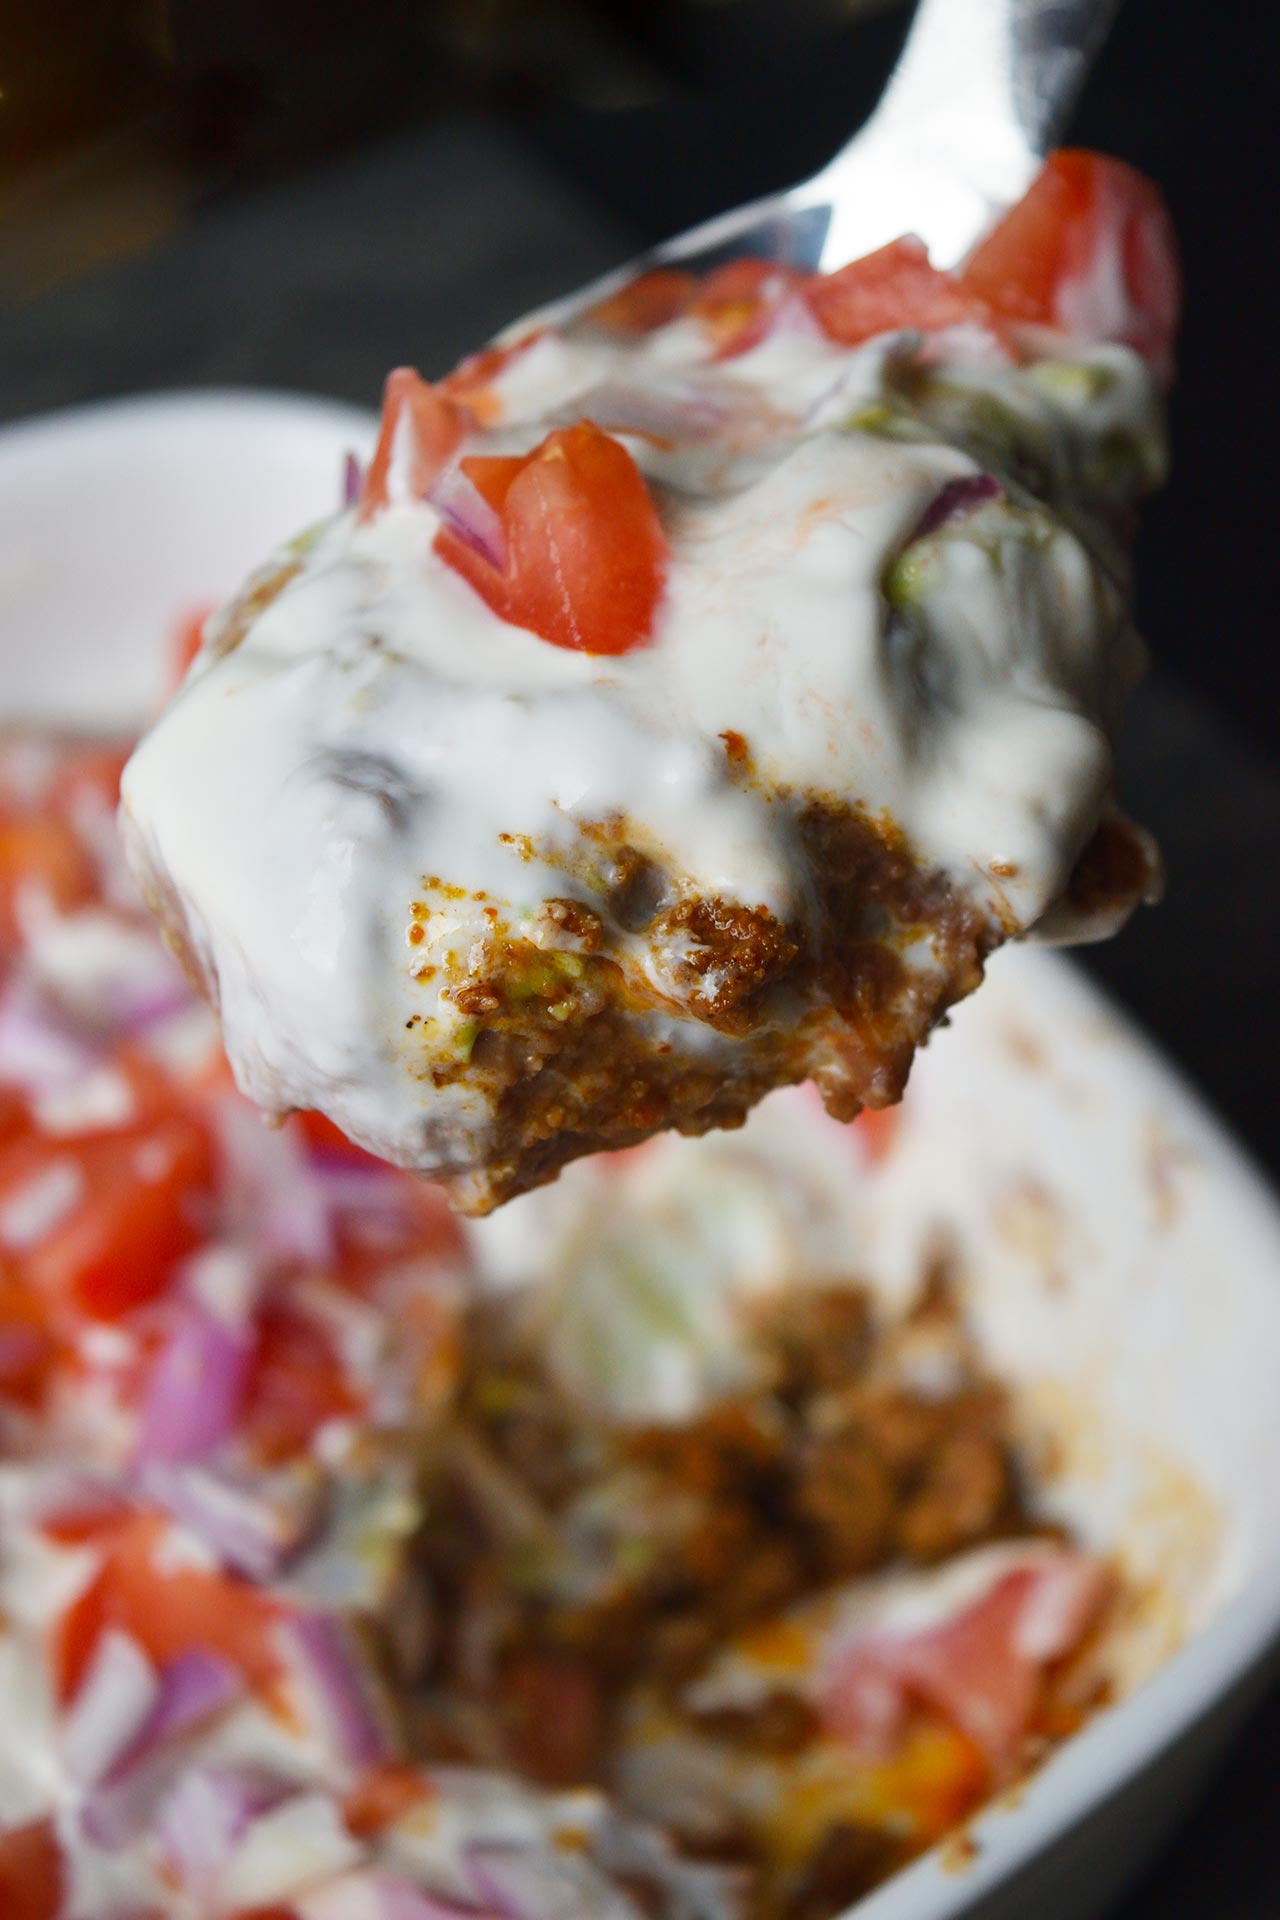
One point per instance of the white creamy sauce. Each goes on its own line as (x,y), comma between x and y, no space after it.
(648,1269)
(379,727)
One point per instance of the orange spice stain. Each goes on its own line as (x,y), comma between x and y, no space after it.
(521,842)
(736,750)
(781,1645)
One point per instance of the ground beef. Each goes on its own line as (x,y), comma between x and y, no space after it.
(875,948)
(831,1465)
(727,956)
(846,1494)
(964,1489)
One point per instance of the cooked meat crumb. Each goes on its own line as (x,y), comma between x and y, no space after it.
(579,1566)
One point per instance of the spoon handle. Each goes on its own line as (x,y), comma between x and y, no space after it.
(981,90)
(994,71)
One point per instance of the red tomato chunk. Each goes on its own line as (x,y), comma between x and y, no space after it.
(133,1207)
(421,430)
(1090,249)
(585,558)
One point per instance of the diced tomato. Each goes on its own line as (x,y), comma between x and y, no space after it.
(154,1092)
(383,1796)
(31,1872)
(738,303)
(84,1518)
(28,1345)
(212,1079)
(494,474)
(134,1211)
(877,1129)
(585,552)
(14,1118)
(649,301)
(1089,248)
(420,429)
(983,1670)
(892,288)
(371,1242)
(472,382)
(296,1383)
(422,1221)
(40,858)
(328,1142)
(88,776)
(188,636)
(168,1609)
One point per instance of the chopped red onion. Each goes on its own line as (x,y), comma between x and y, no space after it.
(112,1704)
(138,986)
(20,1349)
(365,1896)
(469,515)
(272,1199)
(536,1883)
(254,1524)
(399,1899)
(107,974)
(362,1895)
(674,414)
(339,1689)
(323,1154)
(195,1386)
(39,1052)
(957,499)
(352,480)
(59,1492)
(194,1688)
(209,1811)
(115,1812)
(138,1014)
(366,1193)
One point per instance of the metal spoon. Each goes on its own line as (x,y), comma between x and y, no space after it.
(980,91)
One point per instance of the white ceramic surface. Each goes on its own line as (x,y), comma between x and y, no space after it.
(1121,1260)
(119,517)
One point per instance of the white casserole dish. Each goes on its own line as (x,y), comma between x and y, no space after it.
(1121,1259)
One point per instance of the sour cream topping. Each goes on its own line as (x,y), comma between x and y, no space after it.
(380,736)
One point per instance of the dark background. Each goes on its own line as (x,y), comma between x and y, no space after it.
(301,193)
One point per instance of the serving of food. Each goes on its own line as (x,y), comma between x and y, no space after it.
(635,1541)
(688,701)
(845,1506)
(687,1539)
(630,1558)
